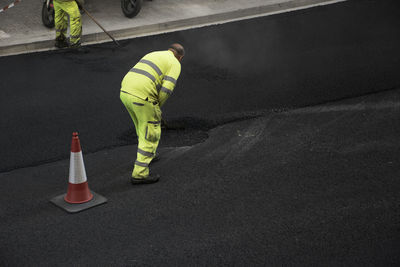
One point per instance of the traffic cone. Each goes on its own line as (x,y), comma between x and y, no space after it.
(78,196)
(78,188)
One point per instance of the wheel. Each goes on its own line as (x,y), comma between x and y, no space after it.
(131,8)
(48,15)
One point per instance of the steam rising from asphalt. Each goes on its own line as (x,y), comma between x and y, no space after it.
(223,51)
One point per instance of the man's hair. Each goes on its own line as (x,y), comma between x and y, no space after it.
(178,48)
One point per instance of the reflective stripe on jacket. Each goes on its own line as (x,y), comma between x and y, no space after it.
(153,77)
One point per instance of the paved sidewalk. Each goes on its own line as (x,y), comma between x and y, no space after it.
(22,31)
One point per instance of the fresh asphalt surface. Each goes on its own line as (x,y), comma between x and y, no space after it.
(287,182)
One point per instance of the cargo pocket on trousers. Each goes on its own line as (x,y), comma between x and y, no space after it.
(153,131)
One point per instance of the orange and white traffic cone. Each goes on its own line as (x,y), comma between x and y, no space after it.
(78,196)
(78,188)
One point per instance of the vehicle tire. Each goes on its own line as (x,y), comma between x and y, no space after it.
(48,15)
(131,8)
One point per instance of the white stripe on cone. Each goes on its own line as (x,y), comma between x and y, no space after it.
(77,173)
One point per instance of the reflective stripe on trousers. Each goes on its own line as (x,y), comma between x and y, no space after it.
(147,120)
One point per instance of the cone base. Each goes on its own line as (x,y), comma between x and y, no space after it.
(73,208)
(78,193)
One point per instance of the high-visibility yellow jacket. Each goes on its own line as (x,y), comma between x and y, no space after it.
(153,77)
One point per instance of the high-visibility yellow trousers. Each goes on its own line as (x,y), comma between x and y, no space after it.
(61,12)
(147,119)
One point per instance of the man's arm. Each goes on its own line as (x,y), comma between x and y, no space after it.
(169,82)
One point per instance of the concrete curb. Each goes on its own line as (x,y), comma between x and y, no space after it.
(173,25)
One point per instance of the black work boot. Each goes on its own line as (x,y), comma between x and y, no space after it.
(148,180)
(61,43)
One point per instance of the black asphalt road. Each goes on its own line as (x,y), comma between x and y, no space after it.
(287,182)
(317,186)
(289,60)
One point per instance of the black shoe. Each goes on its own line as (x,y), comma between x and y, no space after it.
(61,43)
(148,180)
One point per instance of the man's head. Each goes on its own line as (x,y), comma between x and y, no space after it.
(178,51)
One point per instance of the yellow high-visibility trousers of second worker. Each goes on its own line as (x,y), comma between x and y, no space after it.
(147,119)
(63,9)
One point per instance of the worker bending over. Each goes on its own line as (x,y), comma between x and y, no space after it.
(145,88)
(63,9)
